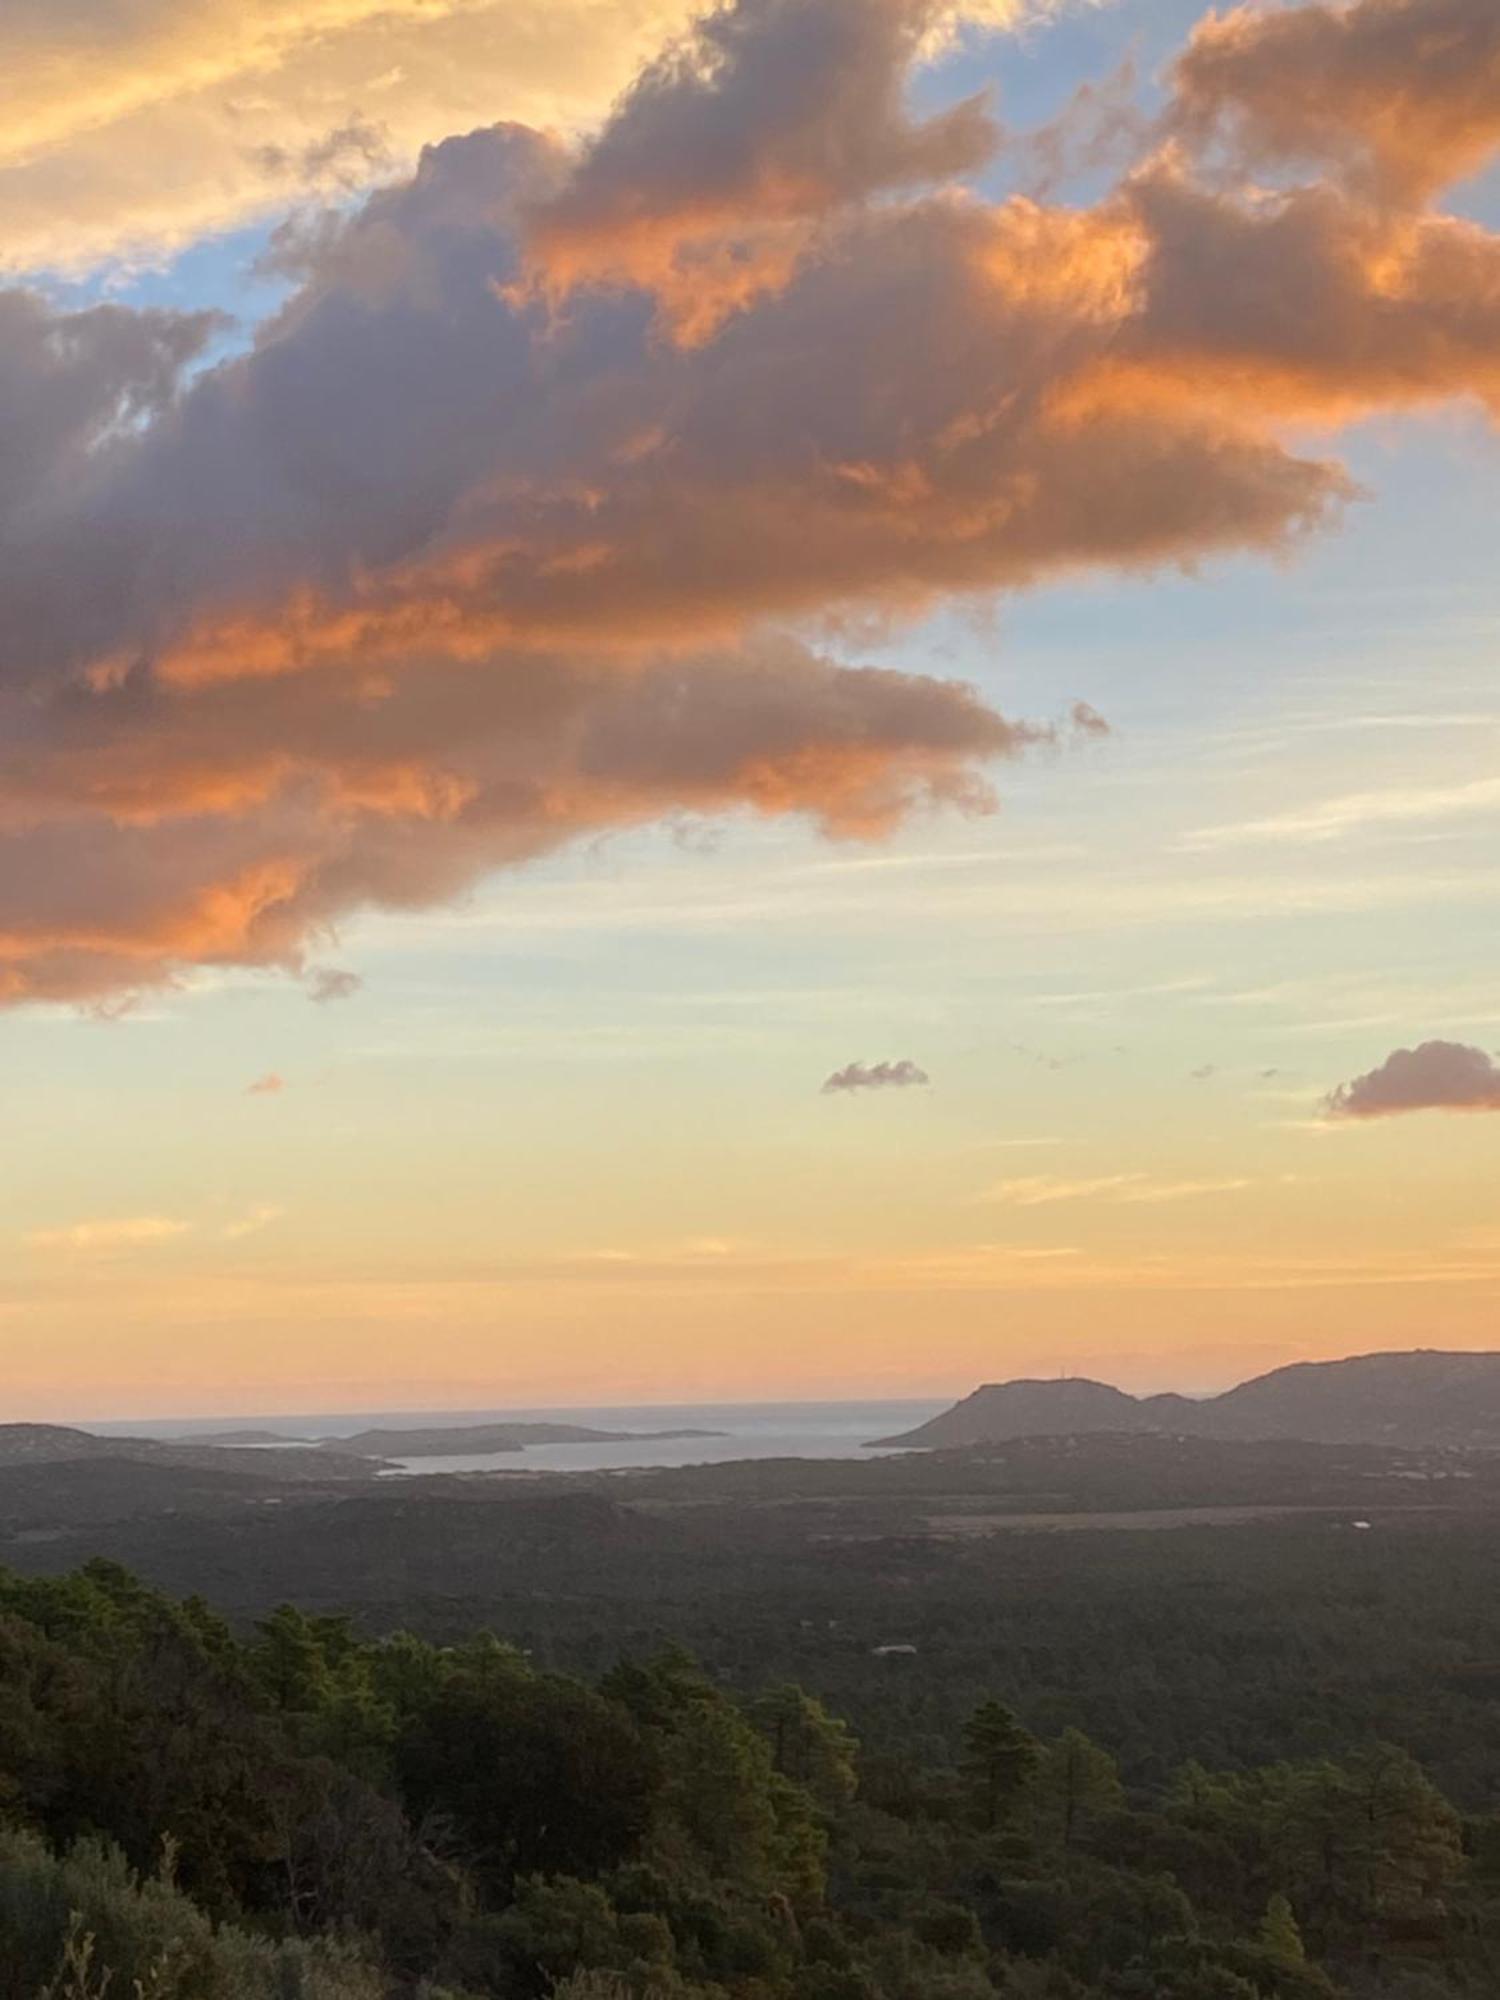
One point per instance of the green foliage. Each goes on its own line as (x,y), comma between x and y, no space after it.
(531,1772)
(1279,1934)
(1077,1786)
(808,1745)
(84,1926)
(308,1814)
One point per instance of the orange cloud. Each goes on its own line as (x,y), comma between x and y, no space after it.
(449,570)
(1402,95)
(1312,305)
(740,136)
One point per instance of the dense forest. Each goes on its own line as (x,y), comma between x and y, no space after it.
(1177,1600)
(295,1812)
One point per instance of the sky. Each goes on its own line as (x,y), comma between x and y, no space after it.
(791,706)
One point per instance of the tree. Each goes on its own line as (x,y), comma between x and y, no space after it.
(1077,1782)
(717,1804)
(808,1745)
(1368,1846)
(534,1772)
(999,1763)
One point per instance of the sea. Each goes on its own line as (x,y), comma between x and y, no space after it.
(745,1430)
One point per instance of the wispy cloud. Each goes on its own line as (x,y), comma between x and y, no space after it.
(113,1234)
(332,982)
(269,1085)
(1153,1191)
(1019,1144)
(1043,1190)
(1099,998)
(1353,813)
(252,1222)
(127,1232)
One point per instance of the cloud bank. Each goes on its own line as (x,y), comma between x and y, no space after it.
(1434,1076)
(535,512)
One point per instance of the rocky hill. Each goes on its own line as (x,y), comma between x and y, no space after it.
(1067,1406)
(1421,1398)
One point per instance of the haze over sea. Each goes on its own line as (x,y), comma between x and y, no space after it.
(745,1430)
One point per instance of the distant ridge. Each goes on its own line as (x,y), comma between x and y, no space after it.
(59,1444)
(1423,1397)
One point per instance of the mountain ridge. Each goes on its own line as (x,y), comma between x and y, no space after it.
(1420,1396)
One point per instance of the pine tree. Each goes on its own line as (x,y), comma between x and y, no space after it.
(1000,1763)
(1077,1781)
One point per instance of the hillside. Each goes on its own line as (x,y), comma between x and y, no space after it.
(1421,1398)
(60,1444)
(1073,1405)
(1424,1398)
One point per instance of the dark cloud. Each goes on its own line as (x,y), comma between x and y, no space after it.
(903,1075)
(520,521)
(1434,1076)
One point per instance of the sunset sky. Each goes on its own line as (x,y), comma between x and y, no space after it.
(949,550)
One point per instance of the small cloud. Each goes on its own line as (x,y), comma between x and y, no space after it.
(1204,1072)
(332,982)
(127,1232)
(252,1222)
(1010,1145)
(338,162)
(1085,720)
(1435,1076)
(269,1085)
(110,1007)
(903,1075)
(1152,1191)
